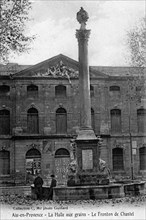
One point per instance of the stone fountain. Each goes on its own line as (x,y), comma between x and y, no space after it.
(88,164)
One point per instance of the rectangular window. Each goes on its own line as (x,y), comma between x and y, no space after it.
(141,120)
(4,162)
(118,159)
(4,122)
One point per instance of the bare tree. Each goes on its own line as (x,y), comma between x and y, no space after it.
(136,39)
(135,81)
(13,17)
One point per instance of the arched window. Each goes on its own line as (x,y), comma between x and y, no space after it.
(32,90)
(60,91)
(4,122)
(61,121)
(117,154)
(62,152)
(142,158)
(33,161)
(4,91)
(33,153)
(4,162)
(32,121)
(115,120)
(114,89)
(91,91)
(92,119)
(141,119)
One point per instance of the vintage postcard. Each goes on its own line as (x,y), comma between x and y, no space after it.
(72,110)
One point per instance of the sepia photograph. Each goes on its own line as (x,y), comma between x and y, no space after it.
(72,109)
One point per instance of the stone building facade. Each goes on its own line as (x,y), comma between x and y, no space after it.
(40,115)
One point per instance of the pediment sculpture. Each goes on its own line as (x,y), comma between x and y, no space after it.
(59,70)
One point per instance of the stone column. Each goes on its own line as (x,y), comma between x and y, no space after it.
(84,81)
(86,131)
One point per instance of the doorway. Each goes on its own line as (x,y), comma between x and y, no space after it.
(62,160)
(33,164)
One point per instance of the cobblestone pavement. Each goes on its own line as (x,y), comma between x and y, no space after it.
(137,201)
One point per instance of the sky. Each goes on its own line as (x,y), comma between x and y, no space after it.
(54,24)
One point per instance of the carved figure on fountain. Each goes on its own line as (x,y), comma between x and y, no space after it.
(103,168)
(72,168)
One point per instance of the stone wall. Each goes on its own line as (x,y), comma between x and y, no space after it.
(46,103)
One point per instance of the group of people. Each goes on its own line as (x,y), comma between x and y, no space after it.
(38,185)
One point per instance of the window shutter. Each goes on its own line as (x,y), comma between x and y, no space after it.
(116,120)
(141,120)
(118,159)
(33,121)
(4,162)
(61,121)
(142,158)
(4,122)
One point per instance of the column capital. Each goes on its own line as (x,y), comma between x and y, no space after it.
(82,35)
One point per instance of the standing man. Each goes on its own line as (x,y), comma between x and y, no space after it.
(38,183)
(53,184)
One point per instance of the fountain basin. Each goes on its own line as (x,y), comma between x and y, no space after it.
(113,190)
(134,189)
(88,192)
